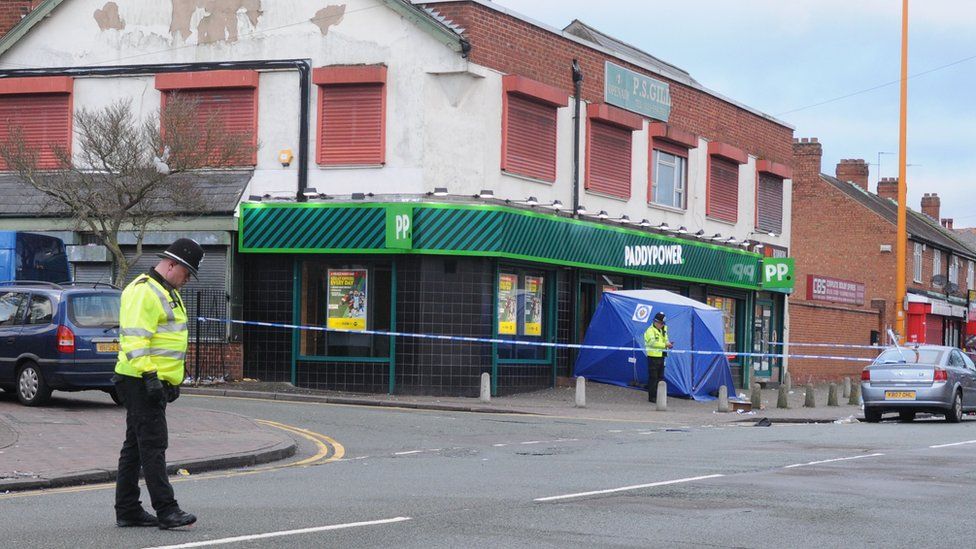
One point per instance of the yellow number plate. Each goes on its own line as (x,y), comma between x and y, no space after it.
(899,395)
(107,347)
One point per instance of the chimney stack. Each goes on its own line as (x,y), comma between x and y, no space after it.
(888,188)
(807,154)
(947,222)
(931,205)
(853,170)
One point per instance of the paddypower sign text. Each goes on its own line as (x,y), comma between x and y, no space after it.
(642,256)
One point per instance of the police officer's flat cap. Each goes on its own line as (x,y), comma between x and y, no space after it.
(186,252)
(659,316)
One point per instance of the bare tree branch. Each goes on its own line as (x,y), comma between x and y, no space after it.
(130,173)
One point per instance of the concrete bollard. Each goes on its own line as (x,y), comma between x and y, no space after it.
(662,396)
(782,400)
(847,387)
(832,395)
(581,392)
(756,397)
(723,399)
(811,400)
(788,381)
(485,395)
(855,394)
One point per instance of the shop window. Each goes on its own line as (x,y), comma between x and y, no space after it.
(608,150)
(917,263)
(39,110)
(345,296)
(352,115)
(669,175)
(226,101)
(529,127)
(522,313)
(769,204)
(727,306)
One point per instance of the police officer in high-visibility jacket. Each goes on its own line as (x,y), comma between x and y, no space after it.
(655,344)
(153,341)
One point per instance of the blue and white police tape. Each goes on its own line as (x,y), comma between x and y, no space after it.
(831,345)
(500,341)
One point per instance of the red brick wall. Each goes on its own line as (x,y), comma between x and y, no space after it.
(835,236)
(511,46)
(815,323)
(11,12)
(210,360)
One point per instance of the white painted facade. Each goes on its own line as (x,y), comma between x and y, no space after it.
(443,117)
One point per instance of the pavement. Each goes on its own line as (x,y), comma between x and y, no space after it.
(76,441)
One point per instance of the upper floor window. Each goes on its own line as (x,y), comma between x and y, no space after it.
(917,263)
(936,262)
(954,269)
(529,110)
(668,164)
(226,101)
(722,201)
(352,115)
(609,149)
(769,195)
(36,112)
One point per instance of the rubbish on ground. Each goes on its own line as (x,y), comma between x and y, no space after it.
(764,422)
(847,420)
(183,473)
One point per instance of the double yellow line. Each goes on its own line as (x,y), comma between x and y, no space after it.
(329,450)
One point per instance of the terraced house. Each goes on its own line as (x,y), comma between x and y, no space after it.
(438,168)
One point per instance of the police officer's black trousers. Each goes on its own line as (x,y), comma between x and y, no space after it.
(655,373)
(146,440)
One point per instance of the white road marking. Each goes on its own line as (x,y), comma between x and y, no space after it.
(407,453)
(830,460)
(499,445)
(550,441)
(267,535)
(626,488)
(953,444)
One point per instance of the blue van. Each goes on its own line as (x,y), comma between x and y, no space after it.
(58,337)
(28,256)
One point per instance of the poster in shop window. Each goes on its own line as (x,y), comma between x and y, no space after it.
(533,305)
(347,299)
(507,303)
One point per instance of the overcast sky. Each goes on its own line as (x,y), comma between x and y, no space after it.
(782,57)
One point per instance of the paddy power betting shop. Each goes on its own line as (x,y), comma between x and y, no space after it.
(456,282)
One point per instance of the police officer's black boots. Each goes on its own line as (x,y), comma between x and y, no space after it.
(176,519)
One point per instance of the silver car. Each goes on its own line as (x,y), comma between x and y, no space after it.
(922,378)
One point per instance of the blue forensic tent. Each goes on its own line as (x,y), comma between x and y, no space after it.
(621,319)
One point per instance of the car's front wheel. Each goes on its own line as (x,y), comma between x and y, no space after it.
(32,390)
(954,415)
(872,415)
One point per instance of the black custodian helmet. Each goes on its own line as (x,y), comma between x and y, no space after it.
(186,252)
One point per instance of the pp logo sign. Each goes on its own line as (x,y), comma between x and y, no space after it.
(778,273)
(402,226)
(399,227)
(642,312)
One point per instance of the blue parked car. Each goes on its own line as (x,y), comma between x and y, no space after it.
(57,337)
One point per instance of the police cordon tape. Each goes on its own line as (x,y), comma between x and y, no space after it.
(519,342)
(831,345)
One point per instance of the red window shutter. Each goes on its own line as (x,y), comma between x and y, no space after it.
(44,120)
(351,128)
(530,142)
(609,160)
(723,189)
(234,110)
(770,204)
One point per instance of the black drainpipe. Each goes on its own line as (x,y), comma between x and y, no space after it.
(303,66)
(577,85)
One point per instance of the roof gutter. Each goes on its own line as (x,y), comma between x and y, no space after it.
(303,66)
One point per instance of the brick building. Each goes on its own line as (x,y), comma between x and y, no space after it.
(844,239)
(419,171)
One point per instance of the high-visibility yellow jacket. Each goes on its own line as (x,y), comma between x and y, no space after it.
(152,331)
(655,341)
